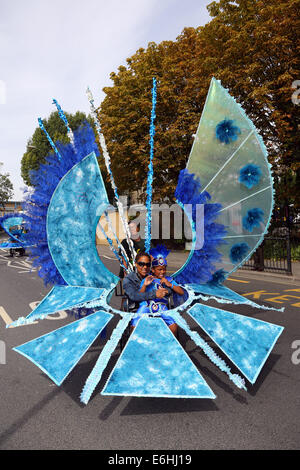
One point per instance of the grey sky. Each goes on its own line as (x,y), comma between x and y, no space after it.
(55,48)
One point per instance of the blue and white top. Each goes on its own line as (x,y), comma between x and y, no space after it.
(155,305)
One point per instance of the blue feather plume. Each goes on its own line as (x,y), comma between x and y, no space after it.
(45,181)
(159,250)
(202,263)
(252,219)
(150,172)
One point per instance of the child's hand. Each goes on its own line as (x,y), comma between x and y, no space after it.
(148,280)
(166,282)
(161,293)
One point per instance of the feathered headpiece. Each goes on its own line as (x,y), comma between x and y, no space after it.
(159,253)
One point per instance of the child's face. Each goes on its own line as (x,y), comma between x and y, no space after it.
(159,271)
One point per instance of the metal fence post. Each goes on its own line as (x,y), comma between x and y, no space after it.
(288,252)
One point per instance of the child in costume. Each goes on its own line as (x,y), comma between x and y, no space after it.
(158,280)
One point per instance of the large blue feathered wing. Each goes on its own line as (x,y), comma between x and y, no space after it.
(228,171)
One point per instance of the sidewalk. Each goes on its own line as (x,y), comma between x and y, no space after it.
(178,258)
(274,277)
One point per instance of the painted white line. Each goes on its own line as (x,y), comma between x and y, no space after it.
(7,319)
(108,257)
(4,315)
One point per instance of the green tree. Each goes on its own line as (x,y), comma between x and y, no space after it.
(38,146)
(6,189)
(253,47)
(126,109)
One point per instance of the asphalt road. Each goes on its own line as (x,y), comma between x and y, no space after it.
(36,414)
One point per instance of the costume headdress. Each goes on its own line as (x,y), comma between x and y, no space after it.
(159,253)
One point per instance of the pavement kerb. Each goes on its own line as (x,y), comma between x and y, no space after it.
(266,276)
(249,274)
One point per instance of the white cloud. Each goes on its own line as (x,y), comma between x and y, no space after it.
(54,49)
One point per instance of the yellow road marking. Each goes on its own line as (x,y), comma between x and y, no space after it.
(257,294)
(273,299)
(282,297)
(238,280)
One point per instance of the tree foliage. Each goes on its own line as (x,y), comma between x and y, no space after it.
(253,47)
(6,189)
(125,115)
(259,64)
(38,146)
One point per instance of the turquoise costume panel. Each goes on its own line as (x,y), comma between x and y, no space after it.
(58,352)
(17,237)
(11,222)
(74,211)
(61,298)
(245,340)
(154,364)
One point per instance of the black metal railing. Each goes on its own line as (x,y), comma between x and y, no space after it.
(274,255)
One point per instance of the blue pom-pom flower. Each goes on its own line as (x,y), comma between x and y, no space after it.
(253,219)
(218,278)
(250,175)
(227,132)
(238,252)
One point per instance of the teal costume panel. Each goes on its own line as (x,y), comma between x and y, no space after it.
(154,364)
(229,157)
(74,211)
(220,291)
(60,298)
(64,297)
(246,341)
(226,295)
(58,352)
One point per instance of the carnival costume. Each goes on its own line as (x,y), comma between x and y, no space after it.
(156,306)
(17,237)
(226,191)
